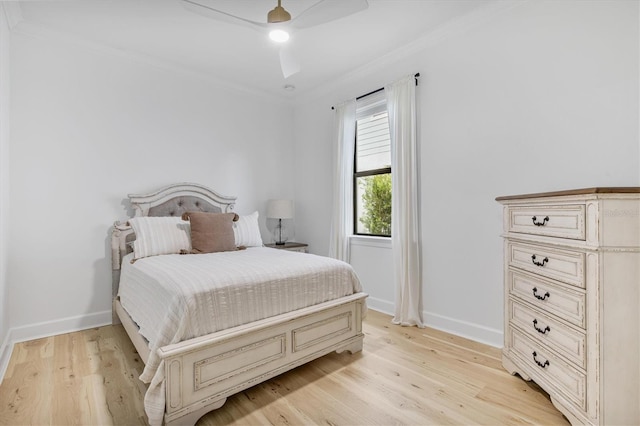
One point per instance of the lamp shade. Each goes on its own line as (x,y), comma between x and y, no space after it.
(280,209)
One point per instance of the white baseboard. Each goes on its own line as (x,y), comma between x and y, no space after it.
(47,329)
(5,354)
(468,330)
(461,328)
(380,305)
(61,326)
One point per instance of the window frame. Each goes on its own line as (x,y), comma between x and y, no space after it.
(376,97)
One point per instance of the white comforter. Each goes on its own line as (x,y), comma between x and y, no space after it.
(176,297)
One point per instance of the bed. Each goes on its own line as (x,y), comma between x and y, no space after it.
(191,370)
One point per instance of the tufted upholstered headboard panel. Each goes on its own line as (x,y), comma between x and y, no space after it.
(172,200)
(182,204)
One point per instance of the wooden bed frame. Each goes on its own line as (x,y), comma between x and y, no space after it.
(202,372)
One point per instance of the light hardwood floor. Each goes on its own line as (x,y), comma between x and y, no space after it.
(403,376)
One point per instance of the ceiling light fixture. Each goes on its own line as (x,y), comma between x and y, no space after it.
(279,36)
(278,14)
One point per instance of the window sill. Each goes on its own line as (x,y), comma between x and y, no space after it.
(367,241)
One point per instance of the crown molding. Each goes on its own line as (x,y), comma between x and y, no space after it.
(42,32)
(441,33)
(13,13)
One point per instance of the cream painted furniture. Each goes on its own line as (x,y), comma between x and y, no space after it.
(572,300)
(299,247)
(202,372)
(91,379)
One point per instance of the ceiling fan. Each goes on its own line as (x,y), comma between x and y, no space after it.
(281,24)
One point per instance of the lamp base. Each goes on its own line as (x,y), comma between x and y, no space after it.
(280,243)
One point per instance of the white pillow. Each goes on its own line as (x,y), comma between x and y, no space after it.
(160,235)
(247,231)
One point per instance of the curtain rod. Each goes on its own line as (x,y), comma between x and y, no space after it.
(416,75)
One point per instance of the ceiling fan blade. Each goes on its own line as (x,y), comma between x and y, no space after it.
(203,9)
(328,10)
(288,62)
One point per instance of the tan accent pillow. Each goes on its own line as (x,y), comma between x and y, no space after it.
(211,232)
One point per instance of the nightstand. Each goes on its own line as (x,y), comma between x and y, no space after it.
(300,247)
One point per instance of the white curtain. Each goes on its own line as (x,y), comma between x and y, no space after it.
(341,213)
(405,232)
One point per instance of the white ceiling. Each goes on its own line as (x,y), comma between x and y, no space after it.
(167,32)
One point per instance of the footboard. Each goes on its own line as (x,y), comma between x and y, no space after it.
(202,372)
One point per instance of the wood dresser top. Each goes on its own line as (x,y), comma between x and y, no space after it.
(583,191)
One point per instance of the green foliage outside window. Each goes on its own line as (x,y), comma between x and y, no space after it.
(376,204)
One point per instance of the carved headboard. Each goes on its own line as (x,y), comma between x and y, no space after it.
(172,200)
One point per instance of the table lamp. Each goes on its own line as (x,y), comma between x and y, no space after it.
(280,209)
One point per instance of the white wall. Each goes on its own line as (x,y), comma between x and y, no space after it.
(91,126)
(542,96)
(4,182)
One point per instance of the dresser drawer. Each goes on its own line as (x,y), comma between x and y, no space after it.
(548,370)
(564,221)
(546,331)
(563,265)
(560,300)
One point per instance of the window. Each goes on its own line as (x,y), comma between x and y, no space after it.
(372,167)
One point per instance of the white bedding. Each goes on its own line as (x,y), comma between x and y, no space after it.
(177,297)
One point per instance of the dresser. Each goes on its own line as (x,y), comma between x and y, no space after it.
(572,299)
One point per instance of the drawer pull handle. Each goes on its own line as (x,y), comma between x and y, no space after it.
(540,364)
(533,259)
(543,223)
(540,330)
(535,293)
